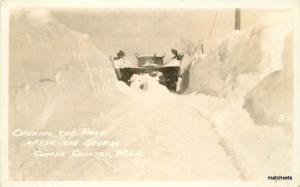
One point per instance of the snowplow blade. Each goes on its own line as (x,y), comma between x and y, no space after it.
(169,79)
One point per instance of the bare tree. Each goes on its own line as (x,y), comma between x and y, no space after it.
(191,48)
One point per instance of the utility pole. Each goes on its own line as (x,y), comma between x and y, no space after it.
(237,19)
(202,50)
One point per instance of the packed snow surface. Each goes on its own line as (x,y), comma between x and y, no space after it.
(175,137)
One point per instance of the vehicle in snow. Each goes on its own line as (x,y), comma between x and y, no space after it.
(153,65)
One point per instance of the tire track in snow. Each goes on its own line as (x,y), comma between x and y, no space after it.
(223,143)
(231,155)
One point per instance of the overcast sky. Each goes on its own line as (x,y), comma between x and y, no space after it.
(153,31)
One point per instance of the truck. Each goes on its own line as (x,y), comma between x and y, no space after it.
(152,65)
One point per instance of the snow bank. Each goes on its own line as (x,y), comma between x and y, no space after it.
(245,88)
(255,53)
(261,151)
(51,68)
(58,80)
(271,101)
(43,50)
(256,151)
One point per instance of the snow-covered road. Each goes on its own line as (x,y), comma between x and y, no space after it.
(171,137)
(176,140)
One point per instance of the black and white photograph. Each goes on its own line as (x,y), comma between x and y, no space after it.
(150,94)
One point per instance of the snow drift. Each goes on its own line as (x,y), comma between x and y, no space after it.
(245,87)
(43,50)
(58,80)
(254,65)
(271,101)
(242,59)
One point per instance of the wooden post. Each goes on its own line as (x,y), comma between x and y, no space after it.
(237,20)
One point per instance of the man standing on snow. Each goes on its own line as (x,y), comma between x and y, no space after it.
(120,61)
(177,56)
